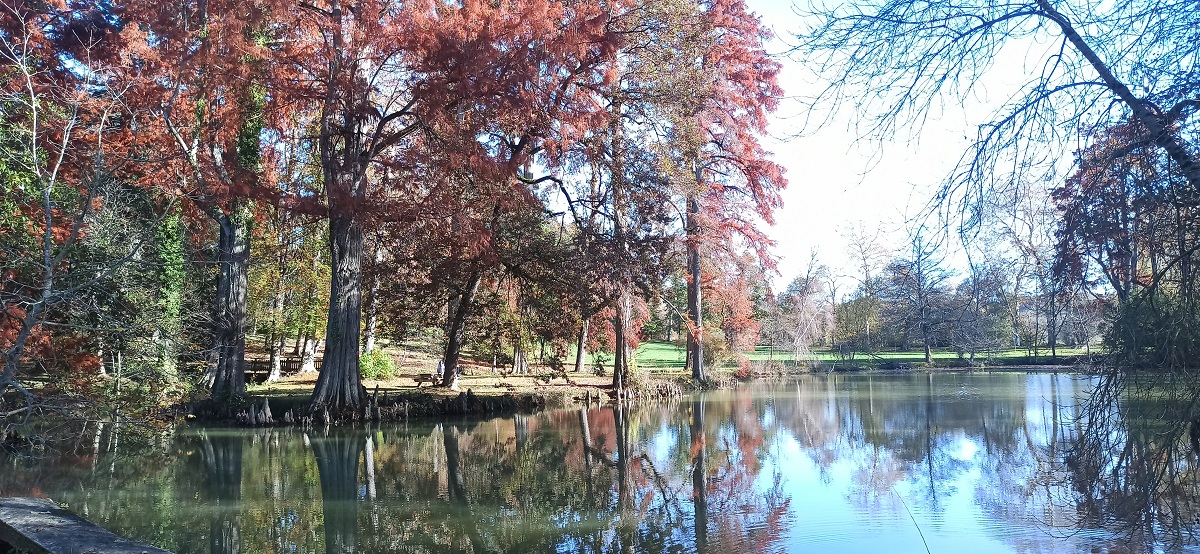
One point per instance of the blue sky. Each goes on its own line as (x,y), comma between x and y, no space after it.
(836,180)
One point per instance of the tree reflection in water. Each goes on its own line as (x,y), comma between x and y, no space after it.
(222,453)
(338,454)
(858,462)
(1131,460)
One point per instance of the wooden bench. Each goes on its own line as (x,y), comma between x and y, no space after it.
(40,525)
(432,378)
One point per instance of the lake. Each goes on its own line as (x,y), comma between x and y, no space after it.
(948,462)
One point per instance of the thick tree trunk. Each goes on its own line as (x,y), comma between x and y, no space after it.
(581,351)
(454,334)
(520,364)
(227,375)
(620,364)
(337,465)
(339,387)
(695,343)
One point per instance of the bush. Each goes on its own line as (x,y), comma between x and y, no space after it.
(716,350)
(377,365)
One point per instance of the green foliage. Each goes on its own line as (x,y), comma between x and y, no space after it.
(377,365)
(171,275)
(249,154)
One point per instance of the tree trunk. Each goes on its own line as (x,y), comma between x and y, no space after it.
(373,305)
(581,352)
(454,334)
(308,360)
(619,361)
(339,387)
(278,319)
(520,365)
(278,340)
(227,376)
(695,344)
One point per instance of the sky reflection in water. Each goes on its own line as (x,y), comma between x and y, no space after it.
(883,463)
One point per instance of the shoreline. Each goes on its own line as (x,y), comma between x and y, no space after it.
(394,400)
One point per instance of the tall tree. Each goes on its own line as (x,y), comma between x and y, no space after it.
(385,77)
(727,179)
(205,60)
(917,287)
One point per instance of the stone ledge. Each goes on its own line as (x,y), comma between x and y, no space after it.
(41,526)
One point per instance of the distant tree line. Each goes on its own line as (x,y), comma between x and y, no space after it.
(911,299)
(1102,121)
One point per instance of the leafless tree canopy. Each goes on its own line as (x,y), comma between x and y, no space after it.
(1087,65)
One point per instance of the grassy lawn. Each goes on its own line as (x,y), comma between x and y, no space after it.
(659,359)
(665,355)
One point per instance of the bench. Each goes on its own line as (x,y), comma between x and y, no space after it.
(432,378)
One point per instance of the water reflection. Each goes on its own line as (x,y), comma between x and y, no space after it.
(997,463)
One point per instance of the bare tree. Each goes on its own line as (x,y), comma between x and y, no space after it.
(1088,65)
(917,288)
(806,310)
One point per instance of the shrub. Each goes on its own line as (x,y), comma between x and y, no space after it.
(377,365)
(716,349)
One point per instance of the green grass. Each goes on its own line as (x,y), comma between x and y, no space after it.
(665,355)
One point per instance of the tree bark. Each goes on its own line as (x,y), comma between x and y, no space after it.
(339,386)
(520,364)
(454,334)
(620,364)
(581,351)
(278,338)
(227,375)
(308,358)
(695,344)
(278,319)
(373,305)
(926,339)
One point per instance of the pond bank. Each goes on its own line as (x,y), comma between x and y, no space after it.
(402,398)
(286,401)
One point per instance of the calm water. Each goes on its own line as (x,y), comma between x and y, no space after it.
(899,463)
